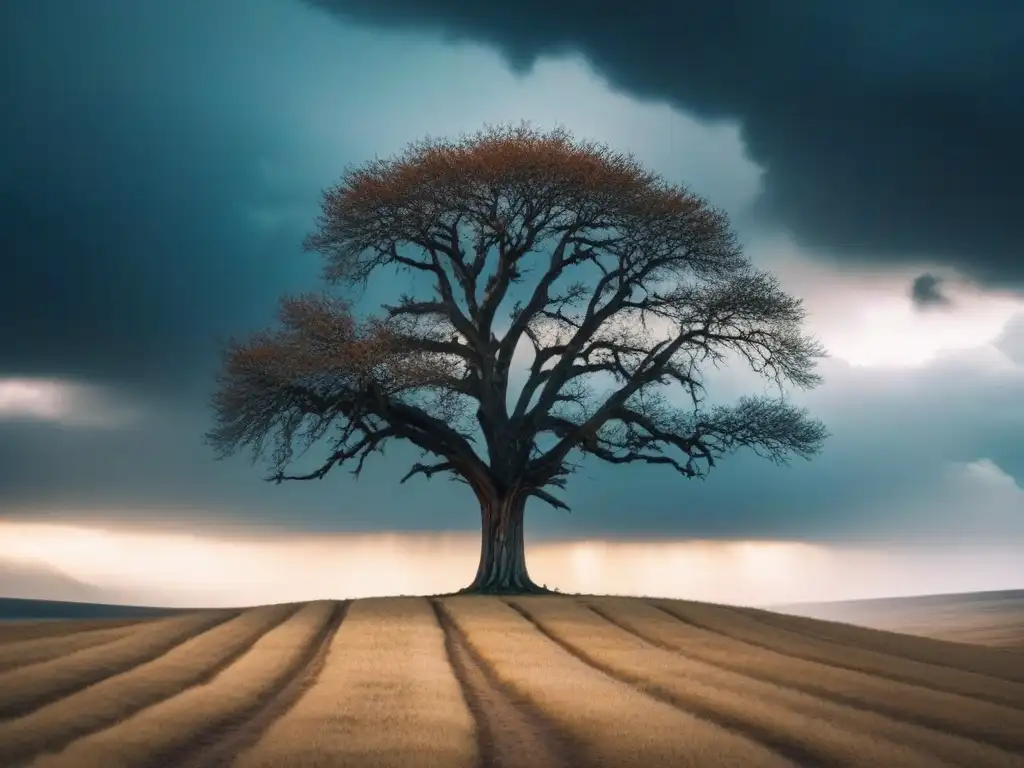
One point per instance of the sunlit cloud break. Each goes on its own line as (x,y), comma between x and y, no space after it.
(187,569)
(62,402)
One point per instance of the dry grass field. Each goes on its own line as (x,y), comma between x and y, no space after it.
(984,618)
(467,681)
(17,631)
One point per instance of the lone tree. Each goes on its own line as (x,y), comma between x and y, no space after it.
(560,265)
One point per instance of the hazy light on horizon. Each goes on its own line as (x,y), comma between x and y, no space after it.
(187,569)
(64,402)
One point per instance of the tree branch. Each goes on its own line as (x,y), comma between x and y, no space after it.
(555,502)
(646,252)
(772,428)
(428,470)
(370,442)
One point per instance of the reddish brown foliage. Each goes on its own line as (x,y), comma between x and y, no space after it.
(321,340)
(633,280)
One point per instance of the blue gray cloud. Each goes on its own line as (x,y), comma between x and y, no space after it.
(888,131)
(160,163)
(927,292)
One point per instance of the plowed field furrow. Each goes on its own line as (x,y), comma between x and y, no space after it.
(927,706)
(466,681)
(166,733)
(18,631)
(928,650)
(749,707)
(99,706)
(610,723)
(221,747)
(511,732)
(945,679)
(26,652)
(386,696)
(25,689)
(737,666)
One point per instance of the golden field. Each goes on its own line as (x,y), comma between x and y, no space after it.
(983,618)
(468,681)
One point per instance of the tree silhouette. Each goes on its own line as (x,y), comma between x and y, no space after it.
(617,287)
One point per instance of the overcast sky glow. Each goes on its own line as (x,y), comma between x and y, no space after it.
(153,203)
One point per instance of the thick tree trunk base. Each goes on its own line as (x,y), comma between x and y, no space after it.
(502,569)
(499,589)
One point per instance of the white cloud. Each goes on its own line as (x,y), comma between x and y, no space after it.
(62,402)
(987,497)
(981,499)
(986,475)
(866,317)
(965,502)
(1011,341)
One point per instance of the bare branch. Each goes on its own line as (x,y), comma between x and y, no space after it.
(370,442)
(428,470)
(772,428)
(623,286)
(550,499)
(323,370)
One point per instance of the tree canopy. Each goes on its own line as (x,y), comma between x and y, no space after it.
(565,302)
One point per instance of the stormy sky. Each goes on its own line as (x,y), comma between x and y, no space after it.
(160,163)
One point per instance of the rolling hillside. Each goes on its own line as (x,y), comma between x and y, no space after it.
(985,618)
(24,609)
(466,681)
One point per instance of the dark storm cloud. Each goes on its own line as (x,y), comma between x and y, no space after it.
(887,130)
(149,152)
(126,167)
(926,292)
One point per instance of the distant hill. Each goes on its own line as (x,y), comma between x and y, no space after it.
(40,581)
(31,590)
(15,608)
(986,618)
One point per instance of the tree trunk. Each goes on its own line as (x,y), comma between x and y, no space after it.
(502,568)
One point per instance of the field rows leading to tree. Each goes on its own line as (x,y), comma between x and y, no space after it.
(467,681)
